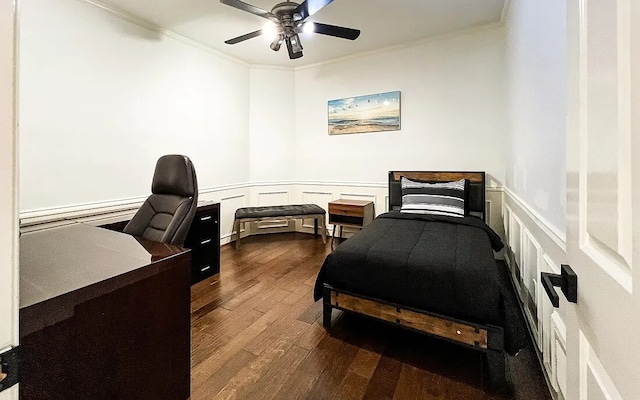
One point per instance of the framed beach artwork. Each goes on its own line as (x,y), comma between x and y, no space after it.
(370,113)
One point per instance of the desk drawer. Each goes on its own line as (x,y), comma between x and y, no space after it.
(345,209)
(204,225)
(204,264)
(200,272)
(204,241)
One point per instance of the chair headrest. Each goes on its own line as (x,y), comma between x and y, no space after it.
(174,175)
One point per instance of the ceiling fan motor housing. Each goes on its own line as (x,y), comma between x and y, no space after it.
(289,19)
(284,12)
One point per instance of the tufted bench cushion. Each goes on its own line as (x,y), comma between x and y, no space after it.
(287,212)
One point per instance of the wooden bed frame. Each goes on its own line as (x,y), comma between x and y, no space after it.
(482,337)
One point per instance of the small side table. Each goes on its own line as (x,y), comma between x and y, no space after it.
(350,213)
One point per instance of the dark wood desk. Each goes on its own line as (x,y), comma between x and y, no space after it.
(103,315)
(203,239)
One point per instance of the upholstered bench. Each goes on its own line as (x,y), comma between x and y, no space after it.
(289,212)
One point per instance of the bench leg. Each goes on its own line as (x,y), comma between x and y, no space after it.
(323,229)
(237,226)
(315,227)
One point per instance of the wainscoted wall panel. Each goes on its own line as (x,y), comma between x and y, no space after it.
(321,198)
(229,203)
(531,253)
(493,209)
(559,354)
(251,194)
(271,198)
(547,334)
(514,244)
(532,248)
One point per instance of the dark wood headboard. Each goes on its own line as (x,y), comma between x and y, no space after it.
(475,195)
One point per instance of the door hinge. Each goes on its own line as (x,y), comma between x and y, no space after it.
(10,367)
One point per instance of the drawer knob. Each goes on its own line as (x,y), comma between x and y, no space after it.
(206,241)
(205,218)
(205,268)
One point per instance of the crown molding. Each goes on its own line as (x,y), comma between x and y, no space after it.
(413,43)
(126,16)
(143,23)
(506,10)
(271,67)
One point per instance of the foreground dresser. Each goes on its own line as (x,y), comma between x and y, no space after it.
(103,315)
(204,241)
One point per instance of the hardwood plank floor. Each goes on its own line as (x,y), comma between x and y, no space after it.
(257,334)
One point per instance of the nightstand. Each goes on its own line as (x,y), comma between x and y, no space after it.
(350,213)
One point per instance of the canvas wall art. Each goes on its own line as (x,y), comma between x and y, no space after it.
(370,113)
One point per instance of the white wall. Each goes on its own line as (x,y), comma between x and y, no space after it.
(535,193)
(452,110)
(272,124)
(537,60)
(102,98)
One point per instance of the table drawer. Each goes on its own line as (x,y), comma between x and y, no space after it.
(345,209)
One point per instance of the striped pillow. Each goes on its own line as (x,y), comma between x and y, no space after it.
(443,198)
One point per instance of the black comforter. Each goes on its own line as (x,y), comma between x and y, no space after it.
(439,264)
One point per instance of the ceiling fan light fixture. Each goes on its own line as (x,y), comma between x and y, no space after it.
(277,42)
(294,46)
(309,27)
(270,31)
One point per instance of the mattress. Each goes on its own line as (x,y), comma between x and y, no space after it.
(443,265)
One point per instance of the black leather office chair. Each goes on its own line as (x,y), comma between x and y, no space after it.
(167,214)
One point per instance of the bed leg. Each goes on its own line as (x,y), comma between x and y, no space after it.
(326,315)
(326,308)
(496,361)
(497,369)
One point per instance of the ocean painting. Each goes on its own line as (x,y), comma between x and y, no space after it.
(370,113)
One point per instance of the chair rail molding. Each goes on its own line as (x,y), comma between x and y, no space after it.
(232,196)
(559,237)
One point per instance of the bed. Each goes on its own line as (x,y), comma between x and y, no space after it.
(435,274)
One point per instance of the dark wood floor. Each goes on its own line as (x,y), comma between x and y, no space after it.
(257,334)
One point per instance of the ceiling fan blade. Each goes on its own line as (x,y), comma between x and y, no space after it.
(308,8)
(337,31)
(244,37)
(241,5)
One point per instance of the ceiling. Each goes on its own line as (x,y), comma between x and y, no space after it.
(383,23)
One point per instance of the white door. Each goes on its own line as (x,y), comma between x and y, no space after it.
(603,199)
(8,187)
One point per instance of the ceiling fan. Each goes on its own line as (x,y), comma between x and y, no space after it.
(288,19)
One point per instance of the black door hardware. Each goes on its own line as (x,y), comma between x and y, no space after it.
(567,281)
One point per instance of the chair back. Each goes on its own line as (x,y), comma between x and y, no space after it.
(167,213)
